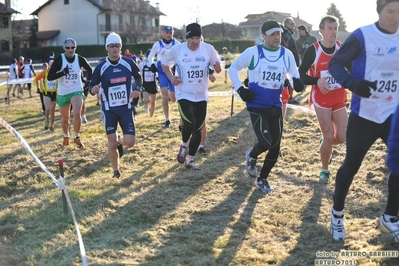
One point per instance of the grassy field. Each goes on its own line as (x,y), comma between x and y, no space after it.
(162,214)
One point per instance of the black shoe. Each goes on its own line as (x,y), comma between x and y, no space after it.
(201,150)
(167,124)
(117,174)
(120,147)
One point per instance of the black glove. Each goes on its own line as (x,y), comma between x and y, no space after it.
(86,85)
(362,88)
(65,70)
(286,82)
(246,82)
(298,84)
(246,94)
(154,68)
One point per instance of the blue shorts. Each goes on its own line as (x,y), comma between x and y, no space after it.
(120,115)
(163,80)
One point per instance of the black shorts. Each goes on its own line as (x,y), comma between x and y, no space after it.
(151,89)
(51,94)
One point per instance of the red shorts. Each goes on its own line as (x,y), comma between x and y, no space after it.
(285,95)
(335,99)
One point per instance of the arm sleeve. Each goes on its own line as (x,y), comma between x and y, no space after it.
(38,78)
(55,70)
(136,75)
(83,63)
(33,70)
(153,52)
(340,64)
(241,62)
(308,60)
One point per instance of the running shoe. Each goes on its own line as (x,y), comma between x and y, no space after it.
(250,164)
(191,165)
(324,176)
(201,150)
(117,174)
(390,227)
(51,129)
(263,185)
(65,142)
(46,125)
(337,227)
(120,147)
(145,108)
(78,143)
(181,156)
(167,124)
(84,119)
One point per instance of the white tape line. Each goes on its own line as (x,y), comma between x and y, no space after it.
(60,185)
(301,108)
(20,81)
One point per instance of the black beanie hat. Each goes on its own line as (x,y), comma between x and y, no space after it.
(193,29)
(382,3)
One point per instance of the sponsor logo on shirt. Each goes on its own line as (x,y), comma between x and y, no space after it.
(118,80)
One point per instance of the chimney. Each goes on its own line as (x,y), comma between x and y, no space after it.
(7,3)
(157,6)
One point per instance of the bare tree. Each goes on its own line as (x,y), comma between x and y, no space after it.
(135,19)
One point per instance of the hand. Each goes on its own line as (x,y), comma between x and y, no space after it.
(217,67)
(246,82)
(154,68)
(246,94)
(362,88)
(212,78)
(65,70)
(298,84)
(286,83)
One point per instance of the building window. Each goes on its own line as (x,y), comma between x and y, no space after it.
(5,46)
(4,22)
(66,2)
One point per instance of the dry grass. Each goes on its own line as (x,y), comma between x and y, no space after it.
(162,214)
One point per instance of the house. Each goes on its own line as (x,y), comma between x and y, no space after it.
(90,21)
(251,28)
(6,29)
(24,31)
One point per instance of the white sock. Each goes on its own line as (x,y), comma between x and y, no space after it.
(338,213)
(388,217)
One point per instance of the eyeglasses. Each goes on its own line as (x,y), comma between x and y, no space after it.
(114,45)
(70,47)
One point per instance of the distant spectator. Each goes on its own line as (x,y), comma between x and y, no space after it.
(51,57)
(286,38)
(28,67)
(304,40)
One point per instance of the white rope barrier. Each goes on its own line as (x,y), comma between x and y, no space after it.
(60,184)
(234,93)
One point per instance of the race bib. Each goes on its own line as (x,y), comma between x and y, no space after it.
(330,80)
(271,75)
(387,83)
(149,76)
(195,75)
(117,95)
